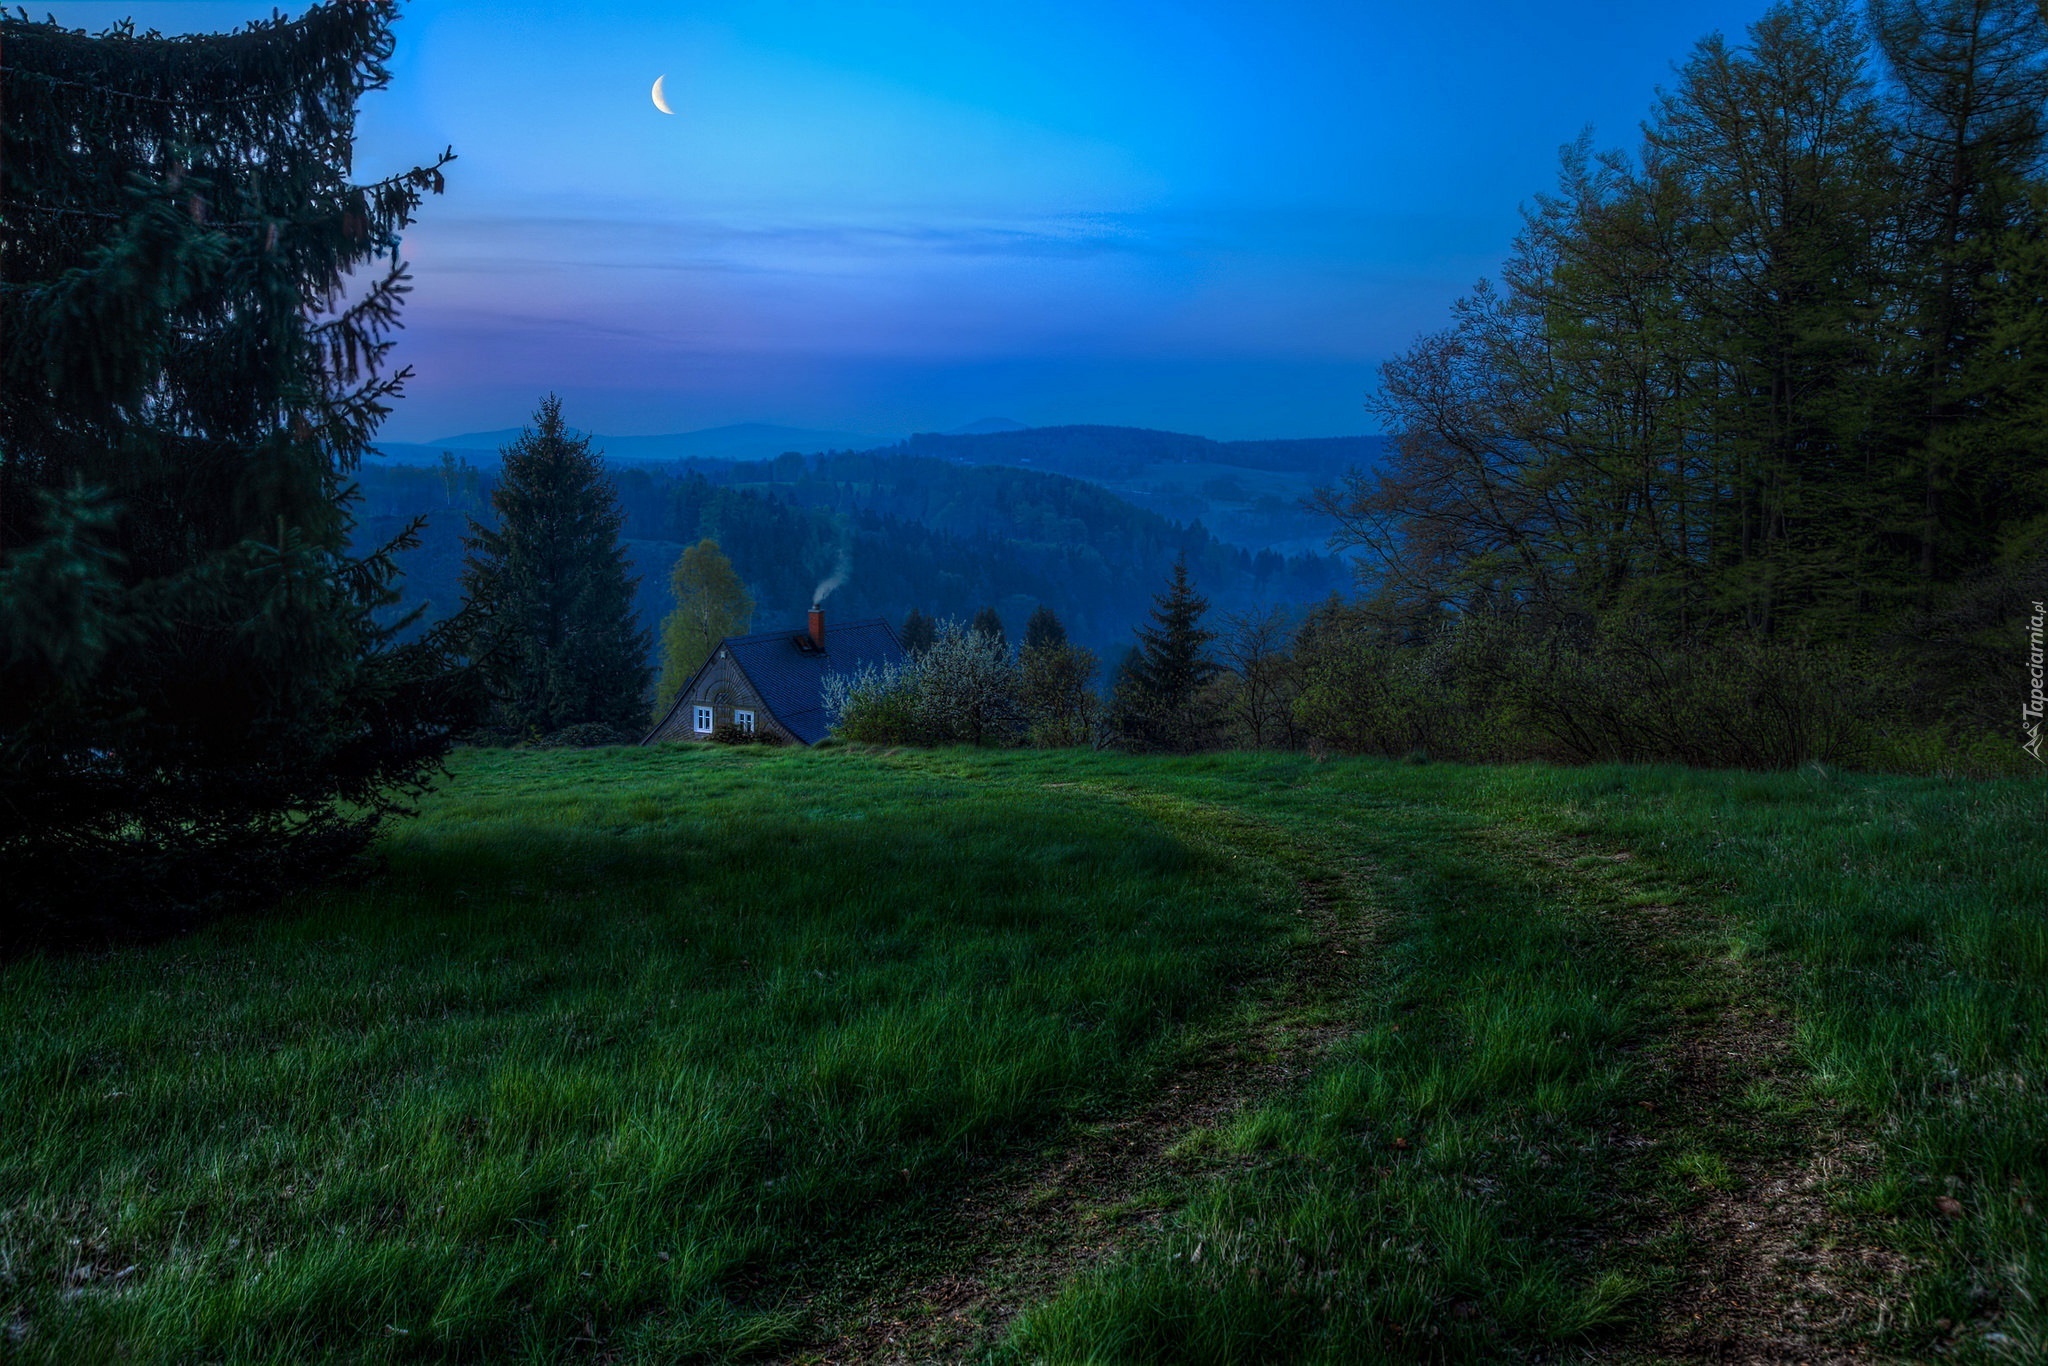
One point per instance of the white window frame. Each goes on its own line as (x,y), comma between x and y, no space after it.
(744,719)
(700,718)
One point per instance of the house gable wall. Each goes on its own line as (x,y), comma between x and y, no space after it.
(721,671)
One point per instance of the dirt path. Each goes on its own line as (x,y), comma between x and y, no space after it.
(1732,1199)
(1012,1242)
(1767,1268)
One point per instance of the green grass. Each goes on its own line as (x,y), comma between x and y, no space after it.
(1899,921)
(622,1053)
(616,1037)
(1438,1190)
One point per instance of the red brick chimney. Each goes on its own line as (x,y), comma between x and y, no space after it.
(818,627)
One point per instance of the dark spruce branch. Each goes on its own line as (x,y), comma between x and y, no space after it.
(200,705)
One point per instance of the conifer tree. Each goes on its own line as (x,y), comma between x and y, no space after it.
(711,604)
(1044,629)
(550,600)
(1780,153)
(1972,77)
(920,630)
(990,626)
(200,705)
(1160,701)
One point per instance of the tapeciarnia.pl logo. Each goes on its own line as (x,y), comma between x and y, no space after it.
(2030,713)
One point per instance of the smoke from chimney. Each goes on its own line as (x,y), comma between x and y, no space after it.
(824,590)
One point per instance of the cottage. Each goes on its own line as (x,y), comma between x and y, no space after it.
(773,682)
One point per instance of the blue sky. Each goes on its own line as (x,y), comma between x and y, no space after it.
(890,217)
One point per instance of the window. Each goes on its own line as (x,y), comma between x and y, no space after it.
(703,720)
(744,720)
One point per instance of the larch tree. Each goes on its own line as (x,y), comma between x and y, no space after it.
(201,702)
(1971,90)
(548,594)
(1780,155)
(1775,376)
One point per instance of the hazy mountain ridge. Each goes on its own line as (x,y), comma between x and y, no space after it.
(1083,451)
(1100,452)
(740,441)
(1248,493)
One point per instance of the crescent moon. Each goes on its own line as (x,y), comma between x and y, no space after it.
(661,96)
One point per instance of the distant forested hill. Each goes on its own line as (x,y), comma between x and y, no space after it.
(1101,453)
(1248,493)
(910,530)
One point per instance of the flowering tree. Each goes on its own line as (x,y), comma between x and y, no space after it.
(962,690)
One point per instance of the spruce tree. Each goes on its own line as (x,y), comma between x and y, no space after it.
(200,705)
(920,630)
(1160,702)
(550,601)
(987,624)
(1044,629)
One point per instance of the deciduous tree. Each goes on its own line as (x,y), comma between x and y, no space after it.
(711,604)
(1256,649)
(1056,684)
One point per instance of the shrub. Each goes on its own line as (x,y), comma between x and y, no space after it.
(726,733)
(1061,707)
(962,690)
(875,705)
(1734,703)
(1487,689)
(1363,693)
(587,735)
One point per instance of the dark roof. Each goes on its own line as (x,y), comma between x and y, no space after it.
(791,677)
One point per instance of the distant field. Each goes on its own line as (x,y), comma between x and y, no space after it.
(841,1055)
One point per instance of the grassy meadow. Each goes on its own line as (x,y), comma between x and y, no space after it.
(704,1054)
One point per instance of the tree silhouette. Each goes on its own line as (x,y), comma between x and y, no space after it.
(920,629)
(1160,702)
(711,604)
(551,602)
(986,623)
(1044,629)
(201,705)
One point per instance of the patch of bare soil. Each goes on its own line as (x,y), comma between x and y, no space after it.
(1770,1268)
(1774,1271)
(1014,1241)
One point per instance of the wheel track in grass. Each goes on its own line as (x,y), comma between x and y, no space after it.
(1755,1262)
(1014,1240)
(1769,1270)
